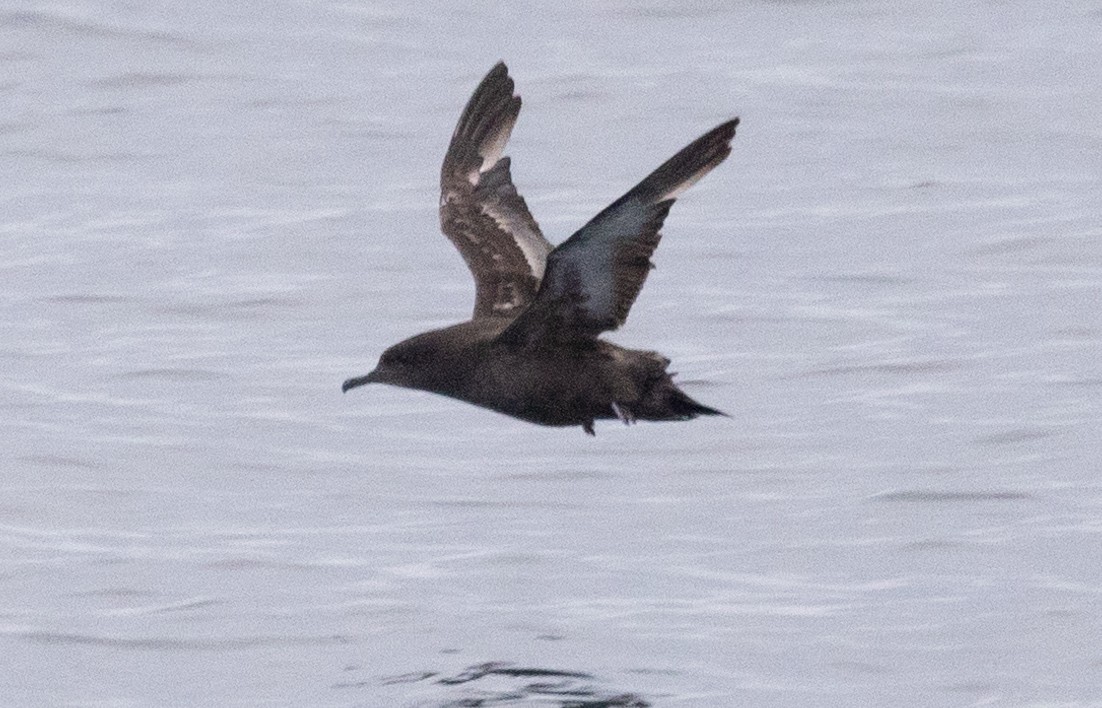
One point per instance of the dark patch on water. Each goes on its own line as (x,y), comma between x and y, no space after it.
(1084,333)
(14,56)
(481,671)
(247,308)
(170,374)
(62,25)
(870,278)
(495,504)
(13,127)
(1080,383)
(558,476)
(98,111)
(581,96)
(505,684)
(57,461)
(895,368)
(701,383)
(1014,436)
(671,11)
(185,644)
(970,687)
(87,299)
(71,158)
(861,668)
(140,79)
(920,495)
(412,677)
(1004,246)
(113,593)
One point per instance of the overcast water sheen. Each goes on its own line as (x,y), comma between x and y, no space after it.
(213,213)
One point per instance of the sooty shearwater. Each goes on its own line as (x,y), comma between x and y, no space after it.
(531,350)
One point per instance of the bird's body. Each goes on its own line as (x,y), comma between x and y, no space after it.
(560,386)
(532,349)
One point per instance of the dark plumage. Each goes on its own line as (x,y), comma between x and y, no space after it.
(531,349)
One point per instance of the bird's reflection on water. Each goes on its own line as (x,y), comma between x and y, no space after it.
(505,684)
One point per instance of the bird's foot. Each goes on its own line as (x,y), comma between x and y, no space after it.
(623,413)
(588,428)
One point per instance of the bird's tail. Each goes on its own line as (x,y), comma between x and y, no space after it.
(685,407)
(665,401)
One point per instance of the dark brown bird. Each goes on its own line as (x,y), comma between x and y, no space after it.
(531,349)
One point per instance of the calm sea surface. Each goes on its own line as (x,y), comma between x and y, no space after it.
(213,213)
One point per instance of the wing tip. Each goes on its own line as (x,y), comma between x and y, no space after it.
(690,164)
(728,127)
(484,126)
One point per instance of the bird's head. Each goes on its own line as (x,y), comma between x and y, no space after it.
(414,363)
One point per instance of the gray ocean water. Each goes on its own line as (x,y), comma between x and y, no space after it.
(213,213)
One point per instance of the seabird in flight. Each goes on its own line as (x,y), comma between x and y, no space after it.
(532,348)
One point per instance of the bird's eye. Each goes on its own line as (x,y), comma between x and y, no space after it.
(397,359)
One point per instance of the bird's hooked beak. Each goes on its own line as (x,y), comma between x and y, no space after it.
(360,381)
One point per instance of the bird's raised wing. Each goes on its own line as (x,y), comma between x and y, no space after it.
(593,277)
(480,210)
